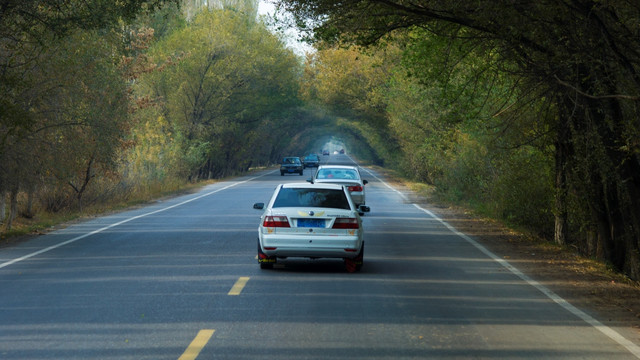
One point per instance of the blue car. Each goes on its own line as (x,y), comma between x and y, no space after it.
(311,160)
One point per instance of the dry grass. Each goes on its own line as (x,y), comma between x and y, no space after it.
(42,221)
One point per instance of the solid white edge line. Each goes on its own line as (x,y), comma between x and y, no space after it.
(403,196)
(28,256)
(612,334)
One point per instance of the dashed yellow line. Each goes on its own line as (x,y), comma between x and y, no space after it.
(238,286)
(205,335)
(197,344)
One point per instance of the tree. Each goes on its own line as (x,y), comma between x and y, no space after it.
(351,83)
(80,120)
(232,76)
(51,91)
(581,56)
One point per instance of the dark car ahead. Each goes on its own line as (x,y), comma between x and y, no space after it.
(291,165)
(311,160)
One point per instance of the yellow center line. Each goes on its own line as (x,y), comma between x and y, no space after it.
(197,344)
(238,286)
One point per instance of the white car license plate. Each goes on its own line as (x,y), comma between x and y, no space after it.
(308,223)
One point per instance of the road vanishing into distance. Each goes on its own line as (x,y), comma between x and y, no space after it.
(179,279)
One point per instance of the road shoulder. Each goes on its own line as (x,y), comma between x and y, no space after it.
(588,285)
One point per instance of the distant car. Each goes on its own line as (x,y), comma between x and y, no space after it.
(311,160)
(325,152)
(349,176)
(291,165)
(313,221)
(341,151)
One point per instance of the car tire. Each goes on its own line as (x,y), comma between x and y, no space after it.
(355,264)
(281,173)
(261,255)
(301,173)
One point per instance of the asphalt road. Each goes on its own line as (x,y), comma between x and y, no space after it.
(179,280)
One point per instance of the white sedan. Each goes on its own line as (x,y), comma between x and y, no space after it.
(349,176)
(313,221)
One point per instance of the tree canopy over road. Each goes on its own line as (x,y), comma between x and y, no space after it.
(526,111)
(574,64)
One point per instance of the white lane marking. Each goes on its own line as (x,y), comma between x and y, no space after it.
(403,196)
(612,334)
(11,262)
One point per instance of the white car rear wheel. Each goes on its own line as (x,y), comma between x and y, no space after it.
(355,264)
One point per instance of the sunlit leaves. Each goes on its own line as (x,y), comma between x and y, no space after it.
(230,75)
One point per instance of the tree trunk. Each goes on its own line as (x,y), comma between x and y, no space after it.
(13,207)
(561,186)
(30,195)
(614,175)
(3,206)
(85,182)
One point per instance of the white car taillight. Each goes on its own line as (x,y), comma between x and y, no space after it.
(346,223)
(275,221)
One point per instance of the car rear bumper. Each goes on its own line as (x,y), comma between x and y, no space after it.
(315,246)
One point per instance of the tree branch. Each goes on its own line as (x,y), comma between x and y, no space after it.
(601,97)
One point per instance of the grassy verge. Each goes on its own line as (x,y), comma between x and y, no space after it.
(42,221)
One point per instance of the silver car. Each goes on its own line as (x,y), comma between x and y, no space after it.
(313,221)
(349,176)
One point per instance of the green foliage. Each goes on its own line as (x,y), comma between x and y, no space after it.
(351,84)
(62,17)
(63,102)
(227,77)
(573,64)
(77,109)
(464,127)
(446,114)
(523,193)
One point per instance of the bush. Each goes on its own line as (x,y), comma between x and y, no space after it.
(512,185)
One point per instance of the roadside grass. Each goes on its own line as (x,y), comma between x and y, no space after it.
(43,221)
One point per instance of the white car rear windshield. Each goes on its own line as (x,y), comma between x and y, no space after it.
(337,174)
(304,197)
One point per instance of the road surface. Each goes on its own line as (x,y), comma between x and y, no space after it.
(179,279)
